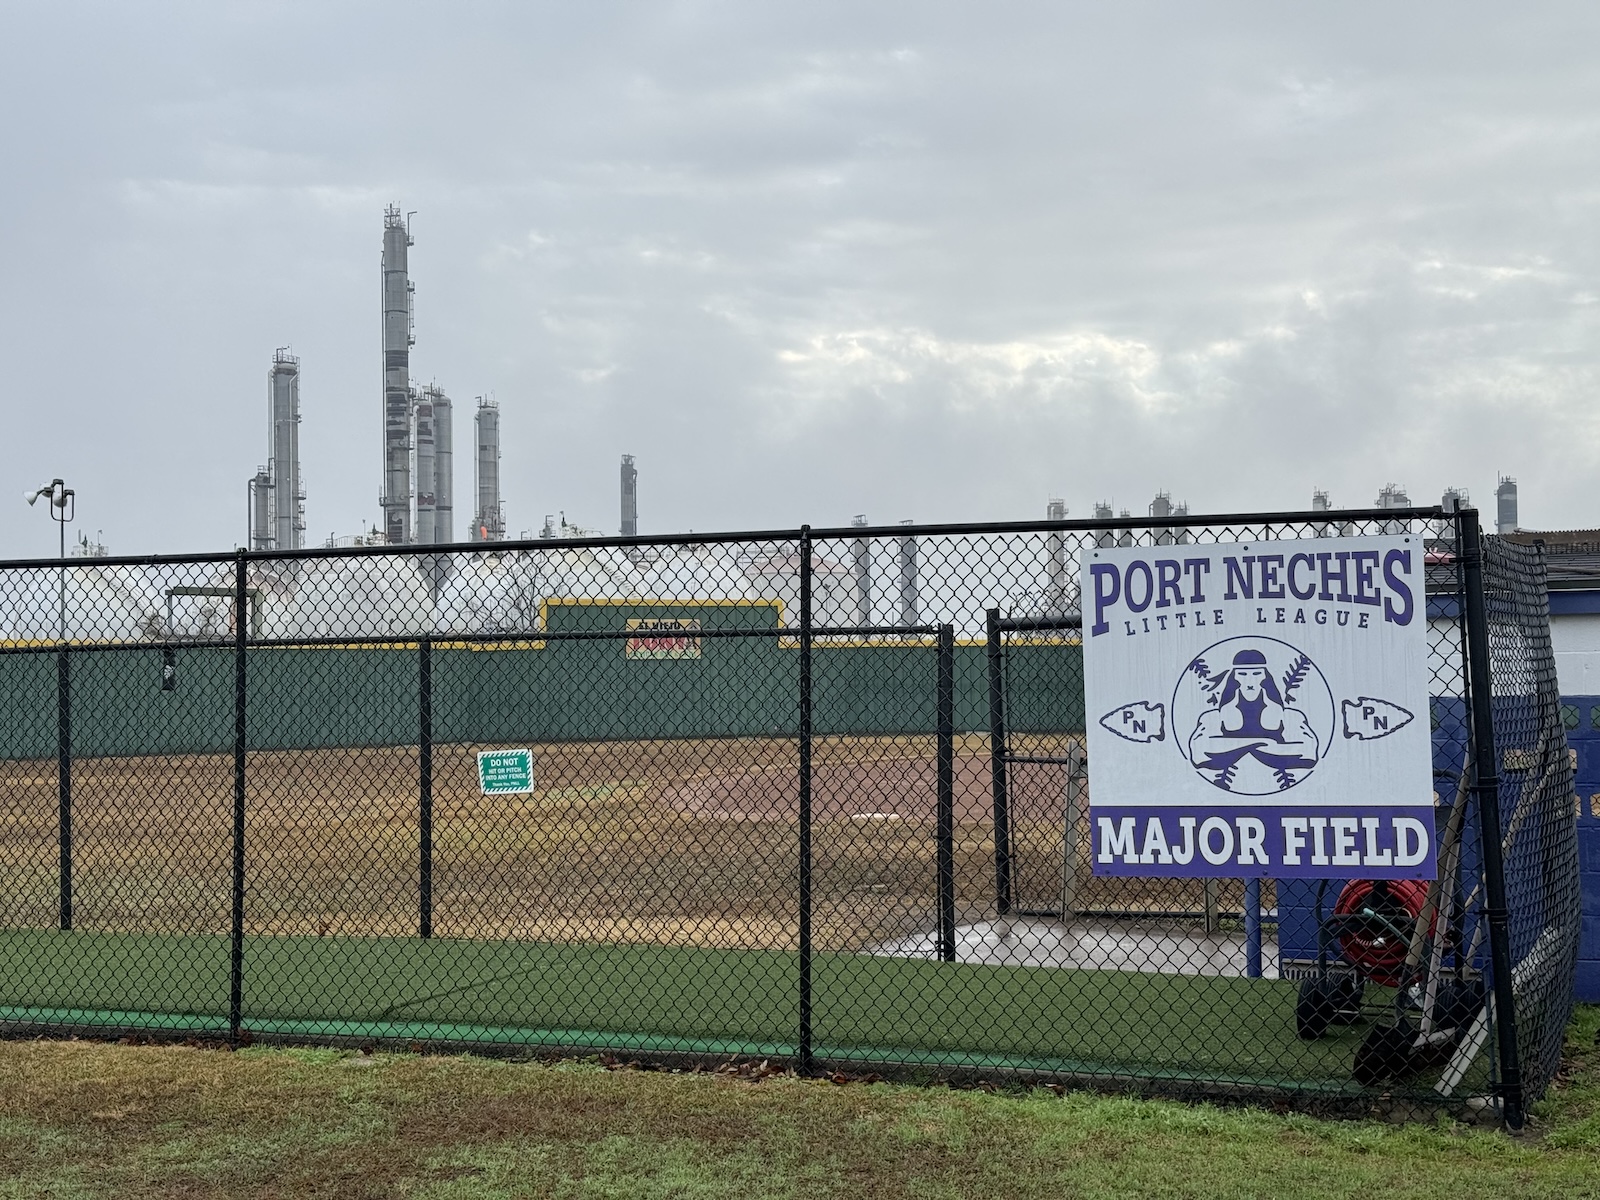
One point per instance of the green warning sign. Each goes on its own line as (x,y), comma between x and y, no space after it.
(505,772)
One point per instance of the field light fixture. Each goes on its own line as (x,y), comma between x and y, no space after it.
(63,507)
(59,494)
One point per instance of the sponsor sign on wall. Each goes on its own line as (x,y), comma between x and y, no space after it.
(1259,709)
(662,637)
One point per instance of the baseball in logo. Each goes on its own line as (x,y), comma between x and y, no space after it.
(1255,715)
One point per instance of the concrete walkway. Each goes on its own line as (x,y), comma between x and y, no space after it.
(1159,947)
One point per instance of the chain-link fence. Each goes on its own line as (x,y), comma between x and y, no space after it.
(812,795)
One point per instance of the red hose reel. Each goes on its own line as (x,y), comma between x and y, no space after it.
(1376,945)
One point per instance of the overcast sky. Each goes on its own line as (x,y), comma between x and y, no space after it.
(937,261)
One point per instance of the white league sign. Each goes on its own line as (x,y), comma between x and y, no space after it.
(1259,709)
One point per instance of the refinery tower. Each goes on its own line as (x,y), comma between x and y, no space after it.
(489,520)
(397,343)
(277,500)
(418,439)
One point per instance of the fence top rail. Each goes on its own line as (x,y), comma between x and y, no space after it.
(444,639)
(836,533)
(1037,624)
(1099,524)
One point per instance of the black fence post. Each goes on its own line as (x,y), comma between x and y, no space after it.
(64,778)
(946,832)
(805,800)
(425,785)
(997,765)
(1486,788)
(241,617)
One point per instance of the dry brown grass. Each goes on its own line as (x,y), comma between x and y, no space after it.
(677,842)
(86,1120)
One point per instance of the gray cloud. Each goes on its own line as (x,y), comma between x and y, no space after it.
(916,260)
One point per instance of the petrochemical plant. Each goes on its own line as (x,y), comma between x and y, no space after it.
(416,496)
(856,583)
(507,590)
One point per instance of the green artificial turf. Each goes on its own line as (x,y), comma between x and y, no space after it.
(663,998)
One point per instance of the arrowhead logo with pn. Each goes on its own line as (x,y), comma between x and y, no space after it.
(1140,721)
(1367,718)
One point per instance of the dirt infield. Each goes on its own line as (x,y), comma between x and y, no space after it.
(669,842)
(894,789)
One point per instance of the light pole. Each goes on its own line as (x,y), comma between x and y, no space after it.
(63,507)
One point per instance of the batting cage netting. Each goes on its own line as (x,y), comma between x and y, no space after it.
(819,796)
(1537,806)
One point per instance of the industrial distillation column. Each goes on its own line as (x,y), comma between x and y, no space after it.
(1056,603)
(424,463)
(630,497)
(431,423)
(444,487)
(906,554)
(861,569)
(288,500)
(261,510)
(397,342)
(488,523)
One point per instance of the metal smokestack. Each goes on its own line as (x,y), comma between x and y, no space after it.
(1056,557)
(1453,501)
(861,569)
(630,497)
(425,463)
(444,486)
(261,510)
(396,300)
(1161,506)
(906,553)
(1505,503)
(287,498)
(488,522)
(1393,495)
(1102,512)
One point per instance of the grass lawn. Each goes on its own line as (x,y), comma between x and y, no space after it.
(673,998)
(82,1119)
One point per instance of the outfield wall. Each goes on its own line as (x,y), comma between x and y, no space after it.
(549,690)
